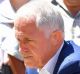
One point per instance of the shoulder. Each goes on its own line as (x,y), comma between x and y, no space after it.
(76,48)
(74,56)
(71,68)
(72,61)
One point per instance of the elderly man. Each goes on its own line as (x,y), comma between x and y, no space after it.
(39,30)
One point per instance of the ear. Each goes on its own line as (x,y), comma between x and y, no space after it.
(56,38)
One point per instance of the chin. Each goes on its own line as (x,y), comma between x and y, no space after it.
(30,66)
(33,65)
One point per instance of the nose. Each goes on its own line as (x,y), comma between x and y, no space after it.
(23,47)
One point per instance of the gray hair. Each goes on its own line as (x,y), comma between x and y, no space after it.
(46,14)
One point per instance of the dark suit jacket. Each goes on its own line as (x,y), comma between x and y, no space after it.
(68,61)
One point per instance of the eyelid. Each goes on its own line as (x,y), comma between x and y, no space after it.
(18,39)
(27,39)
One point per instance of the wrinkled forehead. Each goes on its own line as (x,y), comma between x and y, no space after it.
(25,27)
(28,26)
(25,24)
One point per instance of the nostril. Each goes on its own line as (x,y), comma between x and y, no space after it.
(22,48)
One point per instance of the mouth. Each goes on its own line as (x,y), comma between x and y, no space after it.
(27,57)
(27,54)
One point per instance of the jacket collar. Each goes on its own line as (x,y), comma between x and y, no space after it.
(66,51)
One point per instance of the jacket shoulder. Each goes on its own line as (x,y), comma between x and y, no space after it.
(71,68)
(71,62)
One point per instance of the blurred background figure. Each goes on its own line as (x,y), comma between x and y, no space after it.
(74,9)
(76,31)
(6,16)
(73,6)
(70,10)
(67,17)
(6,33)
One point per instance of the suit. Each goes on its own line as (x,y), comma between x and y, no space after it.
(68,61)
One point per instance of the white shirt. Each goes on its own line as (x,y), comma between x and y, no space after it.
(76,29)
(6,11)
(68,21)
(7,15)
(10,46)
(49,67)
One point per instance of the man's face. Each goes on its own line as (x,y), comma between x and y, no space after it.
(34,46)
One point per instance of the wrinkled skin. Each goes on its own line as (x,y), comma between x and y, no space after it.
(34,46)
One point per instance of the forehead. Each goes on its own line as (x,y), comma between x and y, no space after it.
(25,26)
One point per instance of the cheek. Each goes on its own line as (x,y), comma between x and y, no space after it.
(44,51)
(42,47)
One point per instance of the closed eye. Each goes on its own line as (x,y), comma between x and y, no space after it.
(27,39)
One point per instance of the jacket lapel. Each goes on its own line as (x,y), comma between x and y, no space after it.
(66,51)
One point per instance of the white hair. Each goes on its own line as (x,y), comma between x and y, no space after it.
(46,14)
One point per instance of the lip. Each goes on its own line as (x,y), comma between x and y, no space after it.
(27,56)
(24,49)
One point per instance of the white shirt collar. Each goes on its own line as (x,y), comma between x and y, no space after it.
(52,62)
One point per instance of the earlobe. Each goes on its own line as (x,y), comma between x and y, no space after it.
(56,37)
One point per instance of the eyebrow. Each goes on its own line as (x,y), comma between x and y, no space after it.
(25,39)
